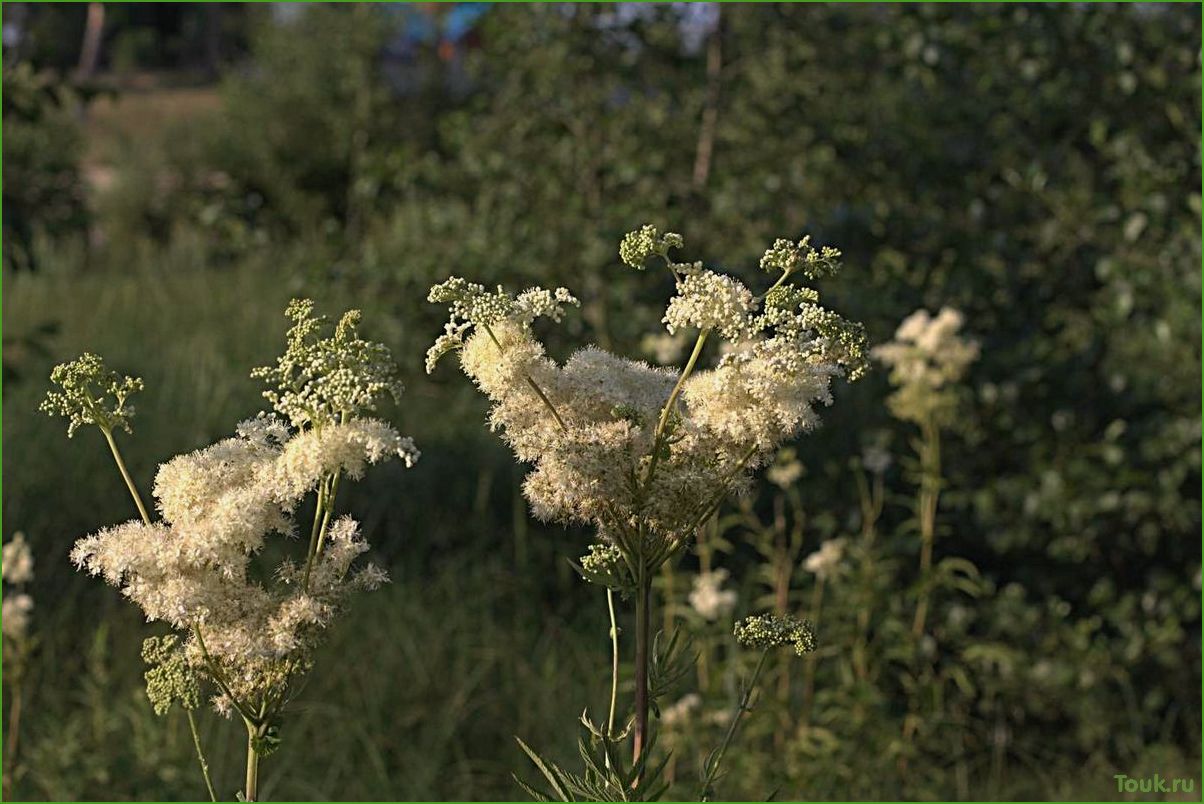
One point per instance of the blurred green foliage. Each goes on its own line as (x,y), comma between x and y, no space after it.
(43,188)
(1035,166)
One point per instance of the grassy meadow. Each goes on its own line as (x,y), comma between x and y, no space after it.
(1035,168)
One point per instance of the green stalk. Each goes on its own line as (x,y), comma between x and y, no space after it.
(642,642)
(251,791)
(714,764)
(614,664)
(200,755)
(17,675)
(330,497)
(312,551)
(125,474)
(930,489)
(669,404)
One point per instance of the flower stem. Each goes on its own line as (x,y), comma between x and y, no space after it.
(17,675)
(200,754)
(251,792)
(643,639)
(614,664)
(531,382)
(713,504)
(215,672)
(312,551)
(930,489)
(125,474)
(716,759)
(669,405)
(330,498)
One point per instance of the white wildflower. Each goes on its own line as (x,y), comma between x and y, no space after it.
(709,598)
(15,615)
(18,560)
(825,562)
(786,470)
(593,429)
(927,358)
(707,300)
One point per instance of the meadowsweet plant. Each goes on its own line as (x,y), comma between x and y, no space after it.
(646,455)
(17,571)
(927,359)
(242,638)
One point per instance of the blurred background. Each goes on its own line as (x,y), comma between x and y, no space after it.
(174,173)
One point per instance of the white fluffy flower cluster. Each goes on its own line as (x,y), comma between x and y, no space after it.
(193,569)
(17,560)
(709,598)
(593,428)
(708,300)
(825,562)
(17,571)
(927,358)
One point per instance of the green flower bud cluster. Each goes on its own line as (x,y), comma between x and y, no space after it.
(793,310)
(639,246)
(319,379)
(791,297)
(91,394)
(766,631)
(471,305)
(803,257)
(603,565)
(170,679)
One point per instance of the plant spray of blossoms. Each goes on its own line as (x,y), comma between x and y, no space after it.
(646,455)
(243,637)
(928,358)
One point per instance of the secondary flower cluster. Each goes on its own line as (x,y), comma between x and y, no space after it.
(91,394)
(321,379)
(193,569)
(622,445)
(927,358)
(766,631)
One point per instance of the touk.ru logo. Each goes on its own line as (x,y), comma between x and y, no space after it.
(1153,784)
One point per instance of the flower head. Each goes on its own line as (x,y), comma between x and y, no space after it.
(766,631)
(786,469)
(169,677)
(803,257)
(90,393)
(471,305)
(927,358)
(709,598)
(193,570)
(14,618)
(825,562)
(18,560)
(320,379)
(708,300)
(635,450)
(17,570)
(644,243)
